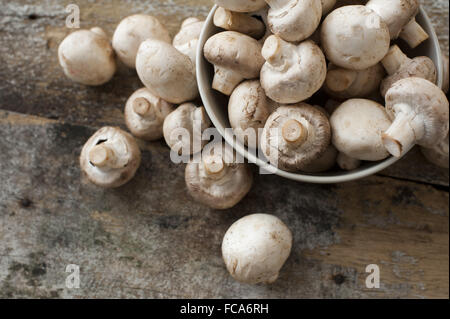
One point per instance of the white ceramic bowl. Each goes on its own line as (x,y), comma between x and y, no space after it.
(216,105)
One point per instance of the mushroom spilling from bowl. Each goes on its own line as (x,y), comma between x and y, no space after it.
(326,86)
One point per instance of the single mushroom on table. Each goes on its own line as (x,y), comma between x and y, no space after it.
(357,125)
(235,57)
(183,129)
(134,30)
(241,5)
(294,136)
(217,180)
(166,72)
(186,40)
(294,20)
(87,57)
(420,114)
(345,84)
(256,247)
(354,37)
(239,22)
(292,73)
(145,114)
(399,15)
(248,110)
(110,158)
(399,66)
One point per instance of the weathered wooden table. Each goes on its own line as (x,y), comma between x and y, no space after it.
(148,238)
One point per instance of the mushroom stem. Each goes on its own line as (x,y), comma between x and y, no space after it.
(240,22)
(141,106)
(225,80)
(402,135)
(276,51)
(413,34)
(294,132)
(394,60)
(214,165)
(102,156)
(339,80)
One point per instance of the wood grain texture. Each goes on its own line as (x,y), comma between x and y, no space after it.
(148,239)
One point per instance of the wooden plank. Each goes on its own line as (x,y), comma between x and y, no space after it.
(149,239)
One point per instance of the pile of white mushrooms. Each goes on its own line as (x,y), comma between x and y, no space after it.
(271,60)
(276,59)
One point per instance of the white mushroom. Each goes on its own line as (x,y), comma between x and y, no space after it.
(395,13)
(110,158)
(357,125)
(345,84)
(292,73)
(399,66)
(87,57)
(294,136)
(354,37)
(186,40)
(239,22)
(294,20)
(134,30)
(235,57)
(183,129)
(256,247)
(347,163)
(241,5)
(166,72)
(145,114)
(438,155)
(248,110)
(217,181)
(420,114)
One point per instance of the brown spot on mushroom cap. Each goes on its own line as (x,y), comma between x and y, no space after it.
(294,156)
(127,157)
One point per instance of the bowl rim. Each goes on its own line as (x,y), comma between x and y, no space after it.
(307,178)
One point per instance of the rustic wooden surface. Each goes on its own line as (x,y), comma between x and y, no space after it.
(148,239)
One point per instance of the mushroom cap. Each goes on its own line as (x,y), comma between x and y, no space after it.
(186,118)
(146,122)
(395,13)
(422,67)
(241,5)
(134,30)
(324,162)
(126,153)
(87,57)
(297,153)
(292,73)
(428,104)
(294,20)
(186,39)
(166,72)
(347,163)
(222,189)
(235,51)
(437,155)
(354,37)
(256,247)
(345,84)
(248,109)
(357,125)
